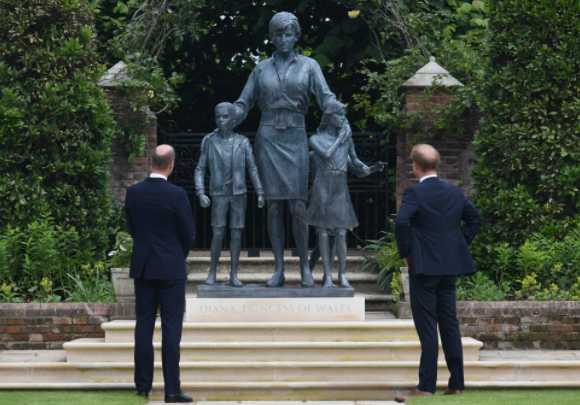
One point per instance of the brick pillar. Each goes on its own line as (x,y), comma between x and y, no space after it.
(456,150)
(126,171)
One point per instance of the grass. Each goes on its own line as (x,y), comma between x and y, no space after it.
(70,397)
(505,397)
(491,397)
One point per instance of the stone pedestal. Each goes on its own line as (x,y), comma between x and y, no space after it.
(274,309)
(261,291)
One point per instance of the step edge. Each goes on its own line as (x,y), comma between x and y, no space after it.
(386,324)
(343,385)
(83,343)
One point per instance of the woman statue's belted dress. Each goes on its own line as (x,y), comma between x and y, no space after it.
(281,145)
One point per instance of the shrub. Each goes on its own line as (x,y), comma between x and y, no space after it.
(41,267)
(55,126)
(121,254)
(39,263)
(528,172)
(478,287)
(92,284)
(385,260)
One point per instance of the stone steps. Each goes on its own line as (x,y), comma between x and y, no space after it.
(257,270)
(263,264)
(378,330)
(364,283)
(97,350)
(396,373)
(363,360)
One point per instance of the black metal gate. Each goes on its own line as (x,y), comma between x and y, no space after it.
(370,195)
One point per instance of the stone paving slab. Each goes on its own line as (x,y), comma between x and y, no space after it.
(32,356)
(528,355)
(286,403)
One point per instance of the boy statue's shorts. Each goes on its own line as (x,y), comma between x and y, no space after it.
(235,205)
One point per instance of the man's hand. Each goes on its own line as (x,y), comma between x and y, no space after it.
(204,200)
(261,201)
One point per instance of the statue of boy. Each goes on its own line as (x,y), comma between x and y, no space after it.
(228,155)
(330,208)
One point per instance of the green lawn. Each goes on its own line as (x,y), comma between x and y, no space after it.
(504,397)
(496,397)
(70,397)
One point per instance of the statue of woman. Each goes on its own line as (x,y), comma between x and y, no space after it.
(282,86)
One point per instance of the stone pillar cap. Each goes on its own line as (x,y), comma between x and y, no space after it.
(115,76)
(432,74)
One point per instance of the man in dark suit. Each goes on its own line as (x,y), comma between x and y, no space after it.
(434,227)
(160,221)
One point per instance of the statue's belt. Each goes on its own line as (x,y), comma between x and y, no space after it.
(282,119)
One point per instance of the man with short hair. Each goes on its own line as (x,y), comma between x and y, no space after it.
(160,220)
(434,227)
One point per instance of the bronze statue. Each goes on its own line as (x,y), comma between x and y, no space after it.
(227,155)
(282,86)
(330,208)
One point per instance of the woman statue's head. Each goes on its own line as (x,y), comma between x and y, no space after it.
(284,31)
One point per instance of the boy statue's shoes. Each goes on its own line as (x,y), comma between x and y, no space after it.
(178,398)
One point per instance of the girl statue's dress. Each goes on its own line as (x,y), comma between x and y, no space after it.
(330,205)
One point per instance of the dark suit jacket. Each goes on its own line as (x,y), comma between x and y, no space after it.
(211,156)
(161,223)
(434,227)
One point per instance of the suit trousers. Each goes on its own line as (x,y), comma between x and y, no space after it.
(169,297)
(433,304)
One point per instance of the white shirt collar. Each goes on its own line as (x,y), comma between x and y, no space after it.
(422,179)
(158,176)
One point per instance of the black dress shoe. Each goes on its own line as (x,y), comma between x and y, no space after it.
(181,397)
(144,394)
(413,393)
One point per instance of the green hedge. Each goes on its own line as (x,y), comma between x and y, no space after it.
(528,175)
(55,134)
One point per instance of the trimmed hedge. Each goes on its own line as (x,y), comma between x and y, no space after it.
(528,175)
(55,123)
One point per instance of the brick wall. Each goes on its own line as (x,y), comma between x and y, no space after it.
(517,324)
(48,326)
(456,151)
(522,324)
(124,171)
(500,325)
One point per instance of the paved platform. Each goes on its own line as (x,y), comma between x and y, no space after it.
(41,356)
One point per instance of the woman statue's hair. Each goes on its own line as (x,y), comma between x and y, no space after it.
(282,20)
